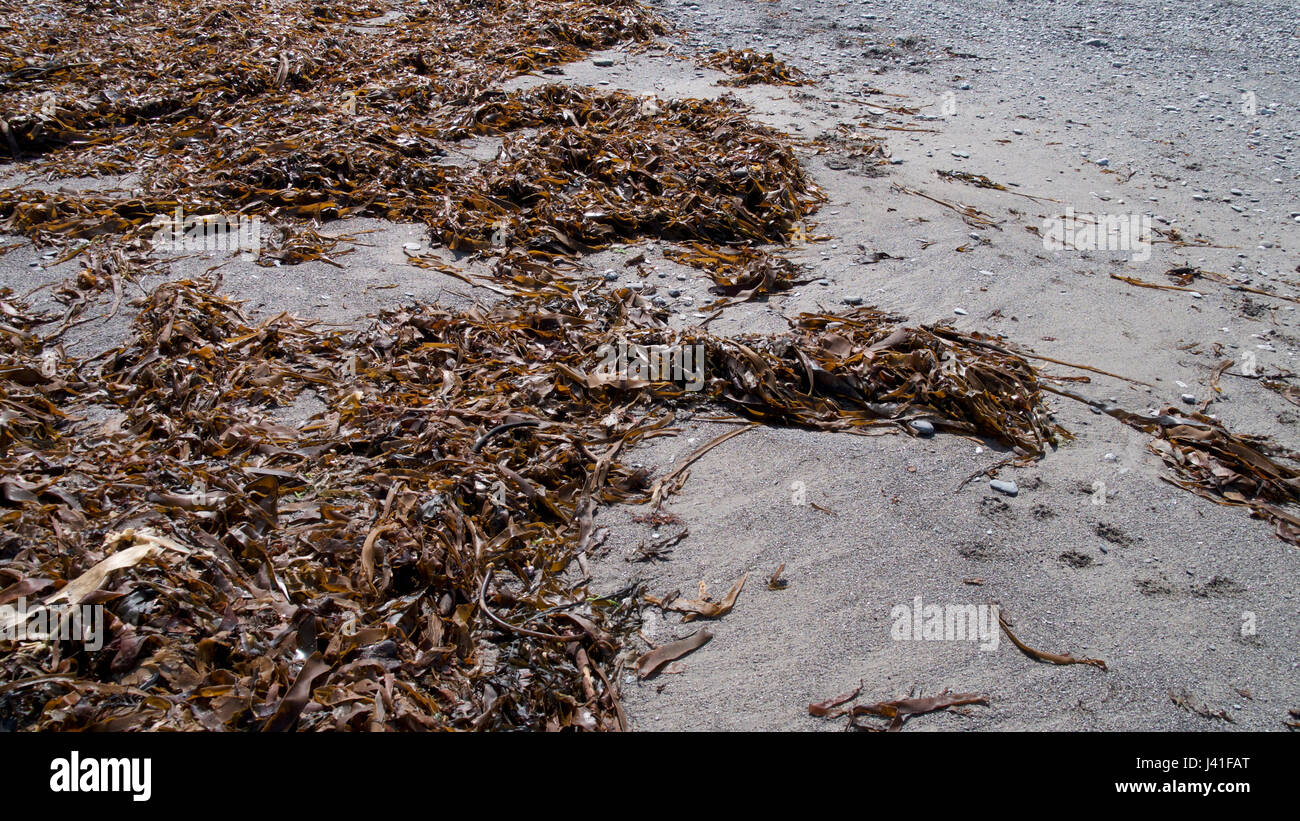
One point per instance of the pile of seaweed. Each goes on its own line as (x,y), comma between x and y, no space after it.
(293,111)
(127,81)
(410,556)
(752,68)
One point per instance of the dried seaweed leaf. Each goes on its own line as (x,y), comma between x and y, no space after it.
(1039,655)
(897,711)
(705,608)
(650,663)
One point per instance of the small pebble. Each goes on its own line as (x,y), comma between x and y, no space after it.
(1009,488)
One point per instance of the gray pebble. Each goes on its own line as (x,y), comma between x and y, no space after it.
(1009,488)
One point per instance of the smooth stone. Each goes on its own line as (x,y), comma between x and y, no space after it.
(1009,488)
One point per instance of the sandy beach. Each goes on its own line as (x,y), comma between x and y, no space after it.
(1179,119)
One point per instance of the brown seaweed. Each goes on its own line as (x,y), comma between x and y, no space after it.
(752,68)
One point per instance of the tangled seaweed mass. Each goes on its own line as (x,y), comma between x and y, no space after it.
(413,554)
(385,564)
(317,118)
